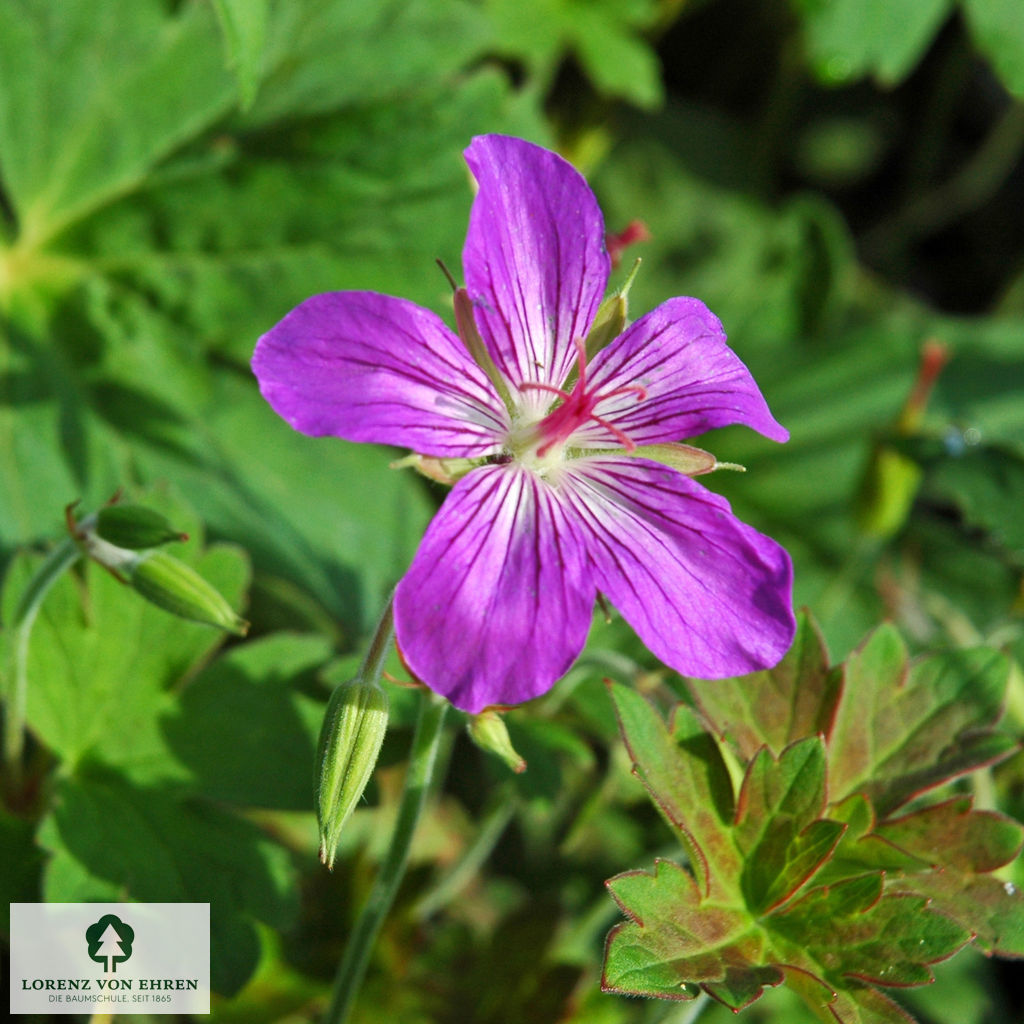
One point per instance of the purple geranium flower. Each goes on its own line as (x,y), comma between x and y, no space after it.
(561,443)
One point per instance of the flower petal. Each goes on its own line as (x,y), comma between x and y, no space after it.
(496,605)
(693,380)
(369,367)
(535,260)
(707,594)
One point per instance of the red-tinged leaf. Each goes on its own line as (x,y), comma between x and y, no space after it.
(683,771)
(855,929)
(744,985)
(776,707)
(674,940)
(855,1004)
(992,909)
(903,729)
(953,835)
(861,848)
(862,1004)
(779,829)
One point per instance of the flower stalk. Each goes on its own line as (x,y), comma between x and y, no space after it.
(422,759)
(60,559)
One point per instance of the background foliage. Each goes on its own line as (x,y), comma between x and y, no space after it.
(840,180)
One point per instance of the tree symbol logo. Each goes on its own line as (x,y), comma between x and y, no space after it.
(110,941)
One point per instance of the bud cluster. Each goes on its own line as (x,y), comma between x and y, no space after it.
(126,540)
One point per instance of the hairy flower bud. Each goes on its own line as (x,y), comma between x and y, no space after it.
(350,740)
(487,730)
(177,588)
(155,575)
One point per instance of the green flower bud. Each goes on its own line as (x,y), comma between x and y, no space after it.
(177,588)
(135,527)
(887,491)
(350,740)
(610,320)
(158,577)
(487,730)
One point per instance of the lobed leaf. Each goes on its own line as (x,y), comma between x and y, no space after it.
(854,929)
(686,777)
(69,146)
(952,834)
(837,897)
(993,910)
(902,729)
(112,838)
(779,829)
(777,706)
(676,940)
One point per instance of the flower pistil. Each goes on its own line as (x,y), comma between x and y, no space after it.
(577,408)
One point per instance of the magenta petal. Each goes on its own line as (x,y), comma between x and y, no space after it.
(708,595)
(693,380)
(495,606)
(535,261)
(369,367)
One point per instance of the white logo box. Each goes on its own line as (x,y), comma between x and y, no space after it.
(110,957)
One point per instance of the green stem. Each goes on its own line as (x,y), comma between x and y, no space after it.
(488,833)
(377,653)
(417,782)
(53,566)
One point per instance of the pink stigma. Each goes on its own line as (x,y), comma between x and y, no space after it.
(577,408)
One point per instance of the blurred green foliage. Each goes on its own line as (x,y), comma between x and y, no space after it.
(840,180)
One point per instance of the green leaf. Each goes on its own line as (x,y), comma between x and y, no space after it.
(101,661)
(861,848)
(777,706)
(684,773)
(19,882)
(603,34)
(998,32)
(246,709)
(779,829)
(850,38)
(901,729)
(50,452)
(992,909)
(675,940)
(417,41)
(244,24)
(78,129)
(110,837)
(986,485)
(952,834)
(827,897)
(850,928)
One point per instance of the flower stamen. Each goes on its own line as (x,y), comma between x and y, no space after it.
(578,406)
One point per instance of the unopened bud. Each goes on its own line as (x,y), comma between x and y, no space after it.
(443,471)
(487,730)
(350,741)
(891,478)
(155,575)
(135,527)
(177,588)
(610,320)
(682,457)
